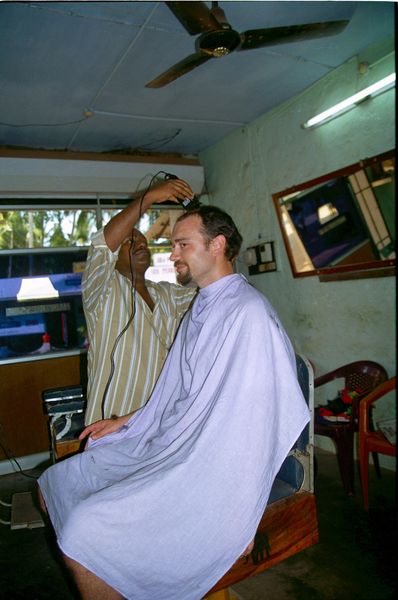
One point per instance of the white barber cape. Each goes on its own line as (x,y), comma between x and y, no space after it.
(164,507)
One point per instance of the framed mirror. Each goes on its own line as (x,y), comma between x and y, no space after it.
(342,225)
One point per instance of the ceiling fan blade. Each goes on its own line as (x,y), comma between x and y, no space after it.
(259,38)
(184,66)
(194,16)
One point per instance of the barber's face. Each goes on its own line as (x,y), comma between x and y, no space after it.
(136,246)
(191,254)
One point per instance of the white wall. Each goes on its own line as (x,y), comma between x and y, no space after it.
(332,323)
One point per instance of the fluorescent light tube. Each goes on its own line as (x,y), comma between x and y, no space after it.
(378,87)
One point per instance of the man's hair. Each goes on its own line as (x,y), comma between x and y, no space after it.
(217,222)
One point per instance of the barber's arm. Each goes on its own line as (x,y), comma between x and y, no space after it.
(121,225)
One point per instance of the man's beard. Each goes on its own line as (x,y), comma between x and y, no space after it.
(184,278)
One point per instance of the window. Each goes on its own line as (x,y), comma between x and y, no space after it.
(42,256)
(40,228)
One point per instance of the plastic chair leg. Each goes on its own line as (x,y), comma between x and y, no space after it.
(376,464)
(375,456)
(345,458)
(364,473)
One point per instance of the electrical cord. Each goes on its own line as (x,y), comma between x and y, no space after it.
(133,294)
(13,459)
(120,335)
(8,505)
(19,126)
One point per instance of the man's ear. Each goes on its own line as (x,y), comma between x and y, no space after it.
(218,244)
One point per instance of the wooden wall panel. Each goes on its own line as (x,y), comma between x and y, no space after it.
(23,422)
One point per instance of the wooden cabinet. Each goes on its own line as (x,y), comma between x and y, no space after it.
(23,422)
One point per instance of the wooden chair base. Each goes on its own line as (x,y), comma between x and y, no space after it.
(225,594)
(66,448)
(288,526)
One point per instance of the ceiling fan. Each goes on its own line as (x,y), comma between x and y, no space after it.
(217,38)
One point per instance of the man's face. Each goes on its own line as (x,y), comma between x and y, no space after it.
(183,274)
(191,254)
(137,247)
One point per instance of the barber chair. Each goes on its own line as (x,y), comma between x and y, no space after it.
(370,440)
(65,407)
(362,375)
(289,523)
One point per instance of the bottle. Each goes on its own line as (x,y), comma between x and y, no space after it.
(46,345)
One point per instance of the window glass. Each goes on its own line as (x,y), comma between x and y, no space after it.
(41,228)
(42,258)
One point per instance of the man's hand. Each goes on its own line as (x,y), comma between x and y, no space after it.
(172,189)
(120,226)
(99,429)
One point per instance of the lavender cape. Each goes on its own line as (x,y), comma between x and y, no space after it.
(162,508)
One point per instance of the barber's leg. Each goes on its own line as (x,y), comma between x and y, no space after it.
(89,585)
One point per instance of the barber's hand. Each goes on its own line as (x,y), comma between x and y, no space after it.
(99,429)
(172,189)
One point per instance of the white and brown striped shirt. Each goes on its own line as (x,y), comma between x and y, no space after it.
(142,349)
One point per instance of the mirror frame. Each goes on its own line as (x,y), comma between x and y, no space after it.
(377,268)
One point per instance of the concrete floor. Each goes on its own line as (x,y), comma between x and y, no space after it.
(354,559)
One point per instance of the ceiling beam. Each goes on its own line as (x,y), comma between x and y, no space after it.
(157,158)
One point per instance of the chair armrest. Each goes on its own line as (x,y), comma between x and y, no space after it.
(369,399)
(322,379)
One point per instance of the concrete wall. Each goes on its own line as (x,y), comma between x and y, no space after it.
(332,323)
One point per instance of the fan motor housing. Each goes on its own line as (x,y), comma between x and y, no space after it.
(218,43)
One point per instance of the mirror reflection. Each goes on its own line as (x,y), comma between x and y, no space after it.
(343,221)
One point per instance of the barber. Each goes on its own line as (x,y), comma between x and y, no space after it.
(131,321)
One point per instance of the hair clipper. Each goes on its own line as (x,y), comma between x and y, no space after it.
(186,203)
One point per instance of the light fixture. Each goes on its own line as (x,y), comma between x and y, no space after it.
(373,90)
(327,212)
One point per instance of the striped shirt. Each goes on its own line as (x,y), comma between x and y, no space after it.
(141,350)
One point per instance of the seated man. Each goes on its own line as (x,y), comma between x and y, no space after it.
(163,502)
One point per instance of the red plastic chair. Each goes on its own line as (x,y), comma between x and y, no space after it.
(369,440)
(365,375)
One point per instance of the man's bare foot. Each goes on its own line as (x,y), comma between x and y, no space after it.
(41,501)
(248,549)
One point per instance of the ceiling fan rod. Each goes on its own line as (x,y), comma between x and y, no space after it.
(219,14)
